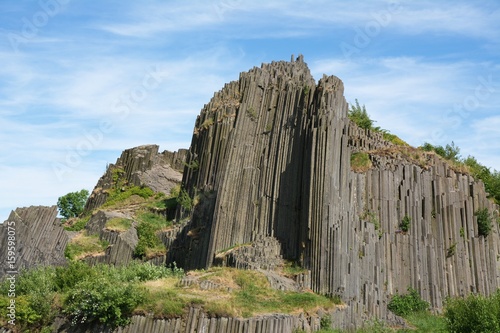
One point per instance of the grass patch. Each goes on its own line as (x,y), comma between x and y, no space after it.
(149,244)
(292,268)
(360,162)
(110,295)
(76,224)
(119,195)
(394,139)
(118,224)
(84,245)
(425,322)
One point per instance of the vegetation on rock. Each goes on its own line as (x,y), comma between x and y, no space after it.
(72,204)
(403,305)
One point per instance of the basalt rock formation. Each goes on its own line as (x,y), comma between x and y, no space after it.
(271,157)
(140,166)
(270,179)
(38,239)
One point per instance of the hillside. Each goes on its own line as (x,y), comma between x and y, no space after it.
(280,183)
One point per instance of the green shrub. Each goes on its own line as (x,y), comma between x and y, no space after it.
(359,116)
(326,322)
(103,301)
(35,298)
(69,276)
(403,305)
(405,223)
(475,313)
(185,200)
(483,221)
(147,231)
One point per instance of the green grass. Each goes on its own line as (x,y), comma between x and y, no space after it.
(149,244)
(120,194)
(84,245)
(425,322)
(76,224)
(360,162)
(118,224)
(292,268)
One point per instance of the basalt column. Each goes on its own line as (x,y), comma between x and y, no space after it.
(246,165)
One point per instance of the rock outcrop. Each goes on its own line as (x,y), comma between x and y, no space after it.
(140,166)
(270,178)
(38,237)
(272,151)
(197,321)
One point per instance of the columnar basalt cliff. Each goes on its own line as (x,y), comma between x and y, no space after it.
(270,179)
(38,237)
(272,159)
(140,166)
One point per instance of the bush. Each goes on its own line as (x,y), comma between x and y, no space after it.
(66,278)
(449,152)
(403,305)
(483,221)
(185,200)
(72,204)
(102,301)
(405,223)
(475,313)
(359,116)
(35,297)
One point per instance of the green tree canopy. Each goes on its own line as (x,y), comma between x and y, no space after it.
(72,204)
(449,152)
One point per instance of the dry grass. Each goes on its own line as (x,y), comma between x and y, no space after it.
(84,245)
(118,224)
(242,293)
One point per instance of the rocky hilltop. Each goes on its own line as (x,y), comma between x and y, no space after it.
(269,179)
(274,152)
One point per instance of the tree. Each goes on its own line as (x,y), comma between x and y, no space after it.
(72,204)
(449,152)
(359,116)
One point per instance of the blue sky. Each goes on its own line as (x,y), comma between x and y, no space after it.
(80,81)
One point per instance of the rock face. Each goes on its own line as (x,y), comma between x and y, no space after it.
(270,178)
(270,157)
(197,321)
(39,238)
(141,166)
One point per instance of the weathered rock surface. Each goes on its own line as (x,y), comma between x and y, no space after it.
(141,166)
(273,150)
(39,238)
(121,244)
(269,166)
(197,321)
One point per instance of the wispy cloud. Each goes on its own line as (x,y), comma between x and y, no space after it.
(69,77)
